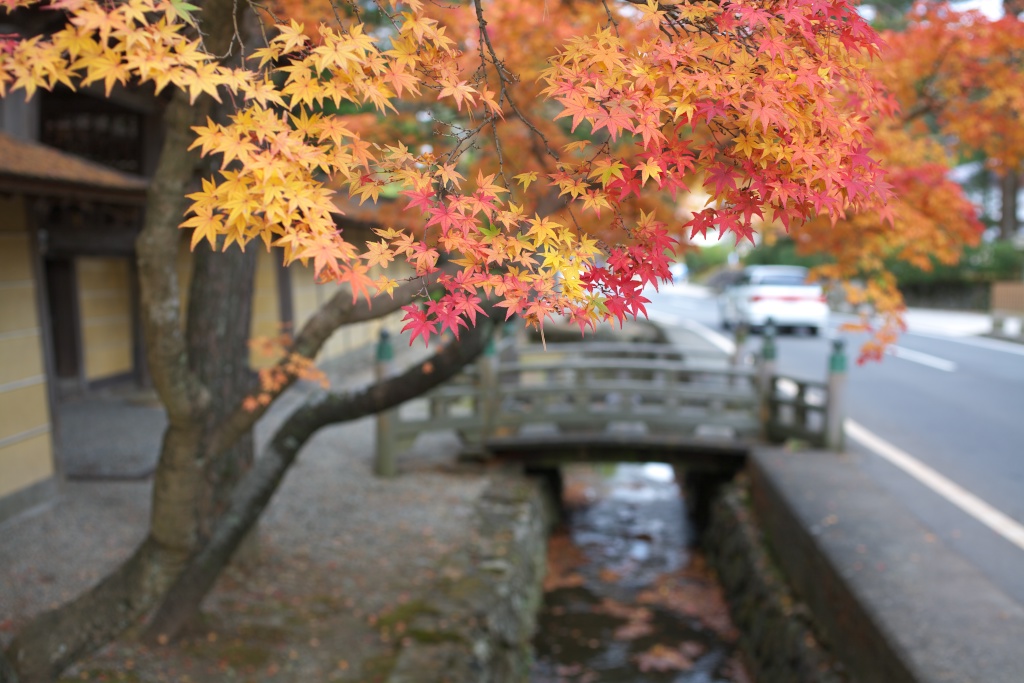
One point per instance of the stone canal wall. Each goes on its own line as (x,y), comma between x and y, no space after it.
(777,634)
(477,624)
(893,602)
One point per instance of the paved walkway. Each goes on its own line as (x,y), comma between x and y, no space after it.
(85,426)
(941,323)
(339,548)
(948,323)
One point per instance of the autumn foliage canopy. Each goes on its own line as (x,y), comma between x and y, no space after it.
(538,147)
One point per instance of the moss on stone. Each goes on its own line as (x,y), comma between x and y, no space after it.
(405,613)
(376,669)
(427,637)
(469,587)
(264,633)
(103,674)
(236,653)
(242,655)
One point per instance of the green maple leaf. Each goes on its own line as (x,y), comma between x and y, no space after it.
(184,10)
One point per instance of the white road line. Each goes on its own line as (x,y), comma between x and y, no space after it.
(719,341)
(922,358)
(979,342)
(995,520)
(722,342)
(661,316)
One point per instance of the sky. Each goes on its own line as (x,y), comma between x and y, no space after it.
(993,9)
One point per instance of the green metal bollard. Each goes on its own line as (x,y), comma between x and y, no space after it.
(835,413)
(768,348)
(385,349)
(740,335)
(384,464)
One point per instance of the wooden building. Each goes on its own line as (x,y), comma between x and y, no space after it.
(73,171)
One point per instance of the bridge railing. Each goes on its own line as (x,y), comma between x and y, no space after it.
(805,410)
(797,410)
(613,387)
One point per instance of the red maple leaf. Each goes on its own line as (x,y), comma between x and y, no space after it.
(418,323)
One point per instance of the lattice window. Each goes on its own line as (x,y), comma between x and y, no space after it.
(98,130)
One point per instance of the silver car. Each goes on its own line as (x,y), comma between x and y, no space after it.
(777,294)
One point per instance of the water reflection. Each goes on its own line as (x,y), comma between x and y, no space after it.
(627,599)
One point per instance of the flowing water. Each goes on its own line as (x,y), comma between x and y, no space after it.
(627,599)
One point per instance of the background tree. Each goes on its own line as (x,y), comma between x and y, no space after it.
(548,186)
(955,93)
(958,74)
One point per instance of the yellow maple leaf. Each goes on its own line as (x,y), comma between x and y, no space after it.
(290,36)
(205,225)
(525,179)
(385,285)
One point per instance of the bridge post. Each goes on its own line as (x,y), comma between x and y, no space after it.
(384,462)
(487,390)
(836,407)
(765,377)
(740,334)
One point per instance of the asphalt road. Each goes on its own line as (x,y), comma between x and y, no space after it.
(950,401)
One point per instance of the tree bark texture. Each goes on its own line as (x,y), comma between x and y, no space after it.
(57,638)
(1009,186)
(219,321)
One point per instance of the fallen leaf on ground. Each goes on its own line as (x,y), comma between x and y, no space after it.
(663,658)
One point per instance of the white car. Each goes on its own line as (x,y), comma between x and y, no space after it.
(777,294)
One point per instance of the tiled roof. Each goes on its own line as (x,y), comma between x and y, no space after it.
(24,160)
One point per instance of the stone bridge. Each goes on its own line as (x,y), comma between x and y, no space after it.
(619,401)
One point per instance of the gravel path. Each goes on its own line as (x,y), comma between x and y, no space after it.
(339,550)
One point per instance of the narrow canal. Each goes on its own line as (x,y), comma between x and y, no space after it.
(627,598)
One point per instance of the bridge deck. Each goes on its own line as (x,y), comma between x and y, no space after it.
(552,449)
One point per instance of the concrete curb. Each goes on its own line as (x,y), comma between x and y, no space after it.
(777,632)
(895,604)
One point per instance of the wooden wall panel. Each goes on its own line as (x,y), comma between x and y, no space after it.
(105,310)
(26,453)
(23,409)
(24,463)
(21,357)
(266,310)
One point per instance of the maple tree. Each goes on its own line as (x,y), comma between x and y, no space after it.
(522,159)
(959,74)
(750,97)
(955,82)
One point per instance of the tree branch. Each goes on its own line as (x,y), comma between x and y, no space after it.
(336,312)
(257,487)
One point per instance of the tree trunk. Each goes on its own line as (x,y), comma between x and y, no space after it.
(219,317)
(55,639)
(1009,187)
(258,486)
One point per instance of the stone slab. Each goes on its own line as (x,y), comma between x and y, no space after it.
(893,602)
